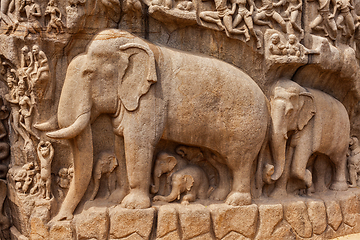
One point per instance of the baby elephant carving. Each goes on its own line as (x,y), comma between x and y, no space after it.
(106,164)
(190,180)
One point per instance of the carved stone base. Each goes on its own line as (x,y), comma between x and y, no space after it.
(321,216)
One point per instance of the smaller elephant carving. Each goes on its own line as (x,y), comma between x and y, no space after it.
(106,164)
(354,161)
(166,163)
(190,180)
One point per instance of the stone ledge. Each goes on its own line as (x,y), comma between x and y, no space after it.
(322,216)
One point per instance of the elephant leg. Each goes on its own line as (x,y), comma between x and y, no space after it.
(320,167)
(82,147)
(223,188)
(281,184)
(139,153)
(241,169)
(189,197)
(339,180)
(122,181)
(300,160)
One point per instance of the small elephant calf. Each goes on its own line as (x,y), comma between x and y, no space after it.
(190,180)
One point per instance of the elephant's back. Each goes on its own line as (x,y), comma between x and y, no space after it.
(332,125)
(212,101)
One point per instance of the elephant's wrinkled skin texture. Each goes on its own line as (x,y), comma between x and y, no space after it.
(305,123)
(156,92)
(192,181)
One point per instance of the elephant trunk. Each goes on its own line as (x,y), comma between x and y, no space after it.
(278,142)
(155,187)
(73,130)
(175,194)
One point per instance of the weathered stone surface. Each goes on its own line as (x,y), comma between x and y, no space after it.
(38,221)
(349,205)
(167,221)
(234,236)
(317,216)
(16,235)
(174,235)
(269,217)
(283,231)
(333,213)
(62,230)
(92,223)
(206,236)
(127,222)
(296,215)
(194,220)
(238,219)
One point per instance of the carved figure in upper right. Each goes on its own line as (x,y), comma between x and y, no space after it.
(292,11)
(55,18)
(306,121)
(345,16)
(277,47)
(217,15)
(267,11)
(45,153)
(32,11)
(326,18)
(354,161)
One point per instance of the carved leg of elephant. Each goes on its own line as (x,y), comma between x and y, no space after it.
(4,221)
(339,180)
(281,184)
(122,182)
(300,160)
(139,153)
(320,166)
(83,163)
(241,169)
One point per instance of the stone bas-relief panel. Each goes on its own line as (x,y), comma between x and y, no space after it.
(179,119)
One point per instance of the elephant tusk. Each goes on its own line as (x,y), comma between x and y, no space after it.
(73,130)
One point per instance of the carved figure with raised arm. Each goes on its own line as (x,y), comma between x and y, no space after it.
(306,122)
(45,153)
(267,11)
(122,75)
(190,180)
(345,16)
(292,12)
(33,12)
(326,18)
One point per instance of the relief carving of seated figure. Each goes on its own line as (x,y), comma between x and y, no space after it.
(277,47)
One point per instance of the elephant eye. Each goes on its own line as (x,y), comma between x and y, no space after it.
(87,73)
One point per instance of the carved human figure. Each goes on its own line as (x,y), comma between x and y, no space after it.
(106,164)
(36,184)
(354,161)
(40,62)
(45,153)
(246,15)
(185,6)
(345,16)
(26,109)
(32,11)
(293,47)
(7,6)
(55,18)
(327,18)
(267,11)
(13,98)
(63,180)
(276,47)
(27,60)
(292,11)
(190,180)
(217,15)
(4,146)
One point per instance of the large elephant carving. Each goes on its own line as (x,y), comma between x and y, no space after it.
(155,93)
(306,123)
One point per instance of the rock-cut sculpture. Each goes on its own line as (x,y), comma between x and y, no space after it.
(155,92)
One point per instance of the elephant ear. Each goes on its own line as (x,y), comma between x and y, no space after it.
(307,110)
(137,76)
(171,162)
(189,181)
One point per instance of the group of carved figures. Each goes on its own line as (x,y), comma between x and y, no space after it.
(232,132)
(228,19)
(11,15)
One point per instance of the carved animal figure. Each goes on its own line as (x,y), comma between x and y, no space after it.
(192,181)
(106,164)
(309,122)
(156,92)
(166,163)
